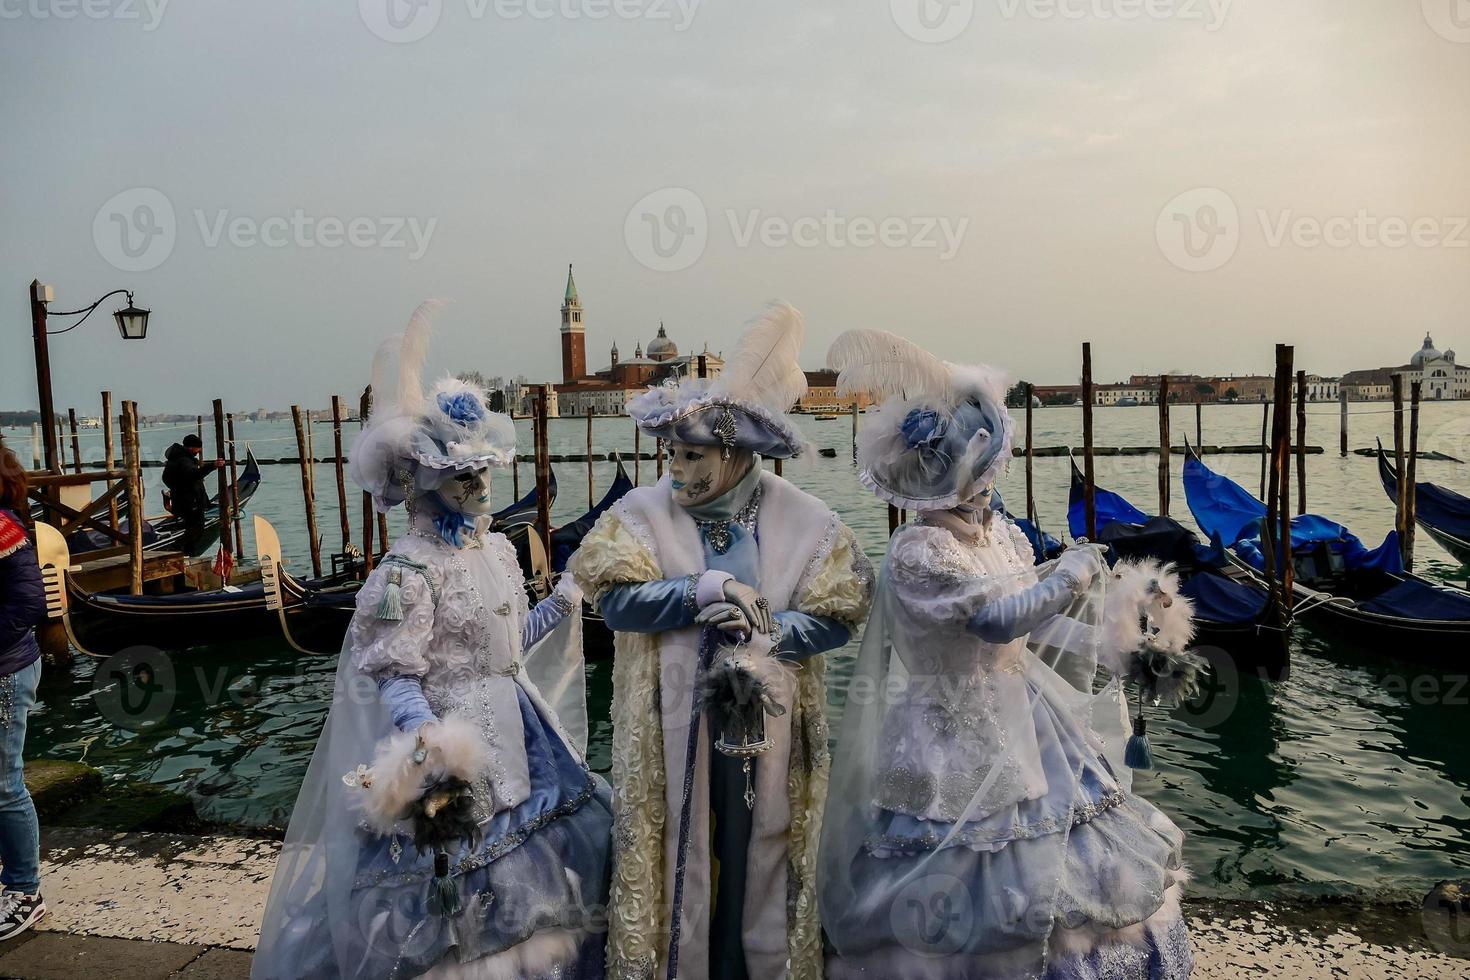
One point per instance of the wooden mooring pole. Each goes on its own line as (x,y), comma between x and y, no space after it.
(76,445)
(1402,503)
(226,537)
(307,496)
(543,471)
(1199,423)
(1030,391)
(854,430)
(234,480)
(590,500)
(1301,442)
(1342,412)
(109,454)
(1416,391)
(343,518)
(364,409)
(1265,444)
(1164,443)
(131,454)
(1089,473)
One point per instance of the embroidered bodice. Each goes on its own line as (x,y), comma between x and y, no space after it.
(961,708)
(460,634)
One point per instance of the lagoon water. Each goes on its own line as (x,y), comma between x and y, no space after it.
(1351,779)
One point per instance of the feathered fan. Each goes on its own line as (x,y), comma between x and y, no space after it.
(882,364)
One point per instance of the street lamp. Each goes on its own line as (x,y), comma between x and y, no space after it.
(132,324)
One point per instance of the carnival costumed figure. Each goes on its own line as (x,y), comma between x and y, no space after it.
(724,584)
(448,825)
(975,828)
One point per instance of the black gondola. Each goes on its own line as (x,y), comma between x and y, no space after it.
(167,533)
(597,639)
(314,617)
(1230,609)
(523,511)
(1363,595)
(1440,511)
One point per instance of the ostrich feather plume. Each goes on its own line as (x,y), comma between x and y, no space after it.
(882,364)
(765,367)
(413,354)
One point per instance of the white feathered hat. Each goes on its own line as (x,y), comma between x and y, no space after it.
(746,406)
(415,440)
(941,434)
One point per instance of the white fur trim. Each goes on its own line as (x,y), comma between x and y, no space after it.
(545,954)
(455,748)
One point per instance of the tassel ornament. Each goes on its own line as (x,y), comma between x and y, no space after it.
(390,607)
(443,892)
(1137,754)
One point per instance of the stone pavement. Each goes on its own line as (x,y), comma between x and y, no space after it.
(148,906)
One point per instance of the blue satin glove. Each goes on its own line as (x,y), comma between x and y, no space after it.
(404,697)
(1016,615)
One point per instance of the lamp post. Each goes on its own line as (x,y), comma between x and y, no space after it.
(132,324)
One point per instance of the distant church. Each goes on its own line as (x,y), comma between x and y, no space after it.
(606,392)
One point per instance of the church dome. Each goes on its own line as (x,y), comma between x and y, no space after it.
(1425,353)
(661,348)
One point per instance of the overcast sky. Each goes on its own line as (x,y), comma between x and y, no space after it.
(282,182)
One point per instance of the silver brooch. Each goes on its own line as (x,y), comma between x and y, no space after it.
(726,429)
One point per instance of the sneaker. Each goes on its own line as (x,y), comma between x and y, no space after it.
(18,912)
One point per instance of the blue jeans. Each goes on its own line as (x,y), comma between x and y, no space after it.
(20,834)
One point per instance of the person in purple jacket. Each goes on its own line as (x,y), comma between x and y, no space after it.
(22,605)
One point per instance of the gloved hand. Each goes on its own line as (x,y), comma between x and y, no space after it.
(1079,565)
(724,616)
(757,610)
(568,589)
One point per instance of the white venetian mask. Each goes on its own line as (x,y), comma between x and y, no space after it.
(701,474)
(467,493)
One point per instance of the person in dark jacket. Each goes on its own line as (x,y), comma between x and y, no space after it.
(22,606)
(184,477)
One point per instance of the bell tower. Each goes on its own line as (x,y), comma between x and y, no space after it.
(573,334)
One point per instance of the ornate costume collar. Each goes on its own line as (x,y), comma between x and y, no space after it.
(738,505)
(449,527)
(968,524)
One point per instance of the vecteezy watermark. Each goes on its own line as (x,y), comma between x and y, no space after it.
(1363,229)
(135,688)
(1450,19)
(669,229)
(1200,230)
(137,229)
(937,21)
(302,230)
(406,21)
(149,12)
(1446,918)
(932,21)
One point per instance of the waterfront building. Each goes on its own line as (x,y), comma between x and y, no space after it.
(1441,378)
(606,392)
(821,395)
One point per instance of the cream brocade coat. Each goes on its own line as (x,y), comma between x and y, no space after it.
(836,582)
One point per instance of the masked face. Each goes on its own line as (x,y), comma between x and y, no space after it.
(699,473)
(467,493)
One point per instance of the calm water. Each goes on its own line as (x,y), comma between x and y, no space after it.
(1351,779)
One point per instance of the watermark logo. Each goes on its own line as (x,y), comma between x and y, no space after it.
(135,230)
(933,915)
(400,21)
(667,230)
(1450,19)
(932,21)
(150,12)
(1199,231)
(135,688)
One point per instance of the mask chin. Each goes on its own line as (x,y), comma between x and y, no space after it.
(467,494)
(700,474)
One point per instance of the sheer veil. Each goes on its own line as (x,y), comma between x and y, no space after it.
(956,885)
